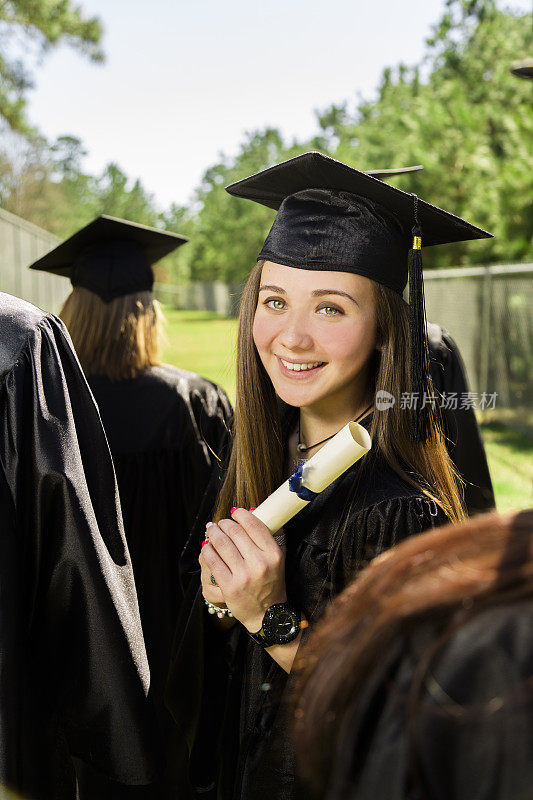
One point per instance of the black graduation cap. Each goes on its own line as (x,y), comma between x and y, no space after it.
(389,173)
(523,69)
(111,257)
(334,217)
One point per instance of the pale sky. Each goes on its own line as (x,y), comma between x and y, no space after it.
(185,79)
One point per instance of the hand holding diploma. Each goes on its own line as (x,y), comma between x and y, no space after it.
(248,565)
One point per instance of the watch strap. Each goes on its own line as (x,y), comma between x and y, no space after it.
(259,638)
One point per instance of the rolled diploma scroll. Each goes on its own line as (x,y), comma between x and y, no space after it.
(344,449)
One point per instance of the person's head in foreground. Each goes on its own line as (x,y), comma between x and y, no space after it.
(111,314)
(323,326)
(419,680)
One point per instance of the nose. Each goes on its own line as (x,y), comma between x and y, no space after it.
(296,334)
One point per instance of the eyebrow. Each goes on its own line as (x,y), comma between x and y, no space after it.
(322,292)
(266,287)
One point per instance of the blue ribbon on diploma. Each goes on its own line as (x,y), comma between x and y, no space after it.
(296,484)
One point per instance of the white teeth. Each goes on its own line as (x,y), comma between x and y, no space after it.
(300,367)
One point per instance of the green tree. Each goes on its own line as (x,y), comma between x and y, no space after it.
(46,185)
(459,113)
(25,185)
(115,197)
(177,267)
(40,24)
(466,119)
(228,232)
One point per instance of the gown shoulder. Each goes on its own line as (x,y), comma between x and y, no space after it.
(162,409)
(19,321)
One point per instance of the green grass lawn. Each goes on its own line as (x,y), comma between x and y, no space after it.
(202,342)
(510,456)
(205,343)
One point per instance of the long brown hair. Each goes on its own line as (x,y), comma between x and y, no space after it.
(118,339)
(449,574)
(256,464)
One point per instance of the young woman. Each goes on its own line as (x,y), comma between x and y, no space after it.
(418,684)
(323,327)
(165,427)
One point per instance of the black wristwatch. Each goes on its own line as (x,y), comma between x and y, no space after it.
(281,625)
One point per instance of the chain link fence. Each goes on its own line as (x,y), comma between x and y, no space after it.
(489,313)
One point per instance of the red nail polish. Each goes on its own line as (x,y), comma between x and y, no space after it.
(252,508)
(205,541)
(233,509)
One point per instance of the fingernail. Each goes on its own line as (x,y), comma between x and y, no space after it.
(252,508)
(209,525)
(233,509)
(205,541)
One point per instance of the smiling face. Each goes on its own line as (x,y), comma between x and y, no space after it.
(315,332)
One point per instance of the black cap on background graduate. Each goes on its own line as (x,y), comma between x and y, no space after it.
(523,69)
(111,257)
(334,217)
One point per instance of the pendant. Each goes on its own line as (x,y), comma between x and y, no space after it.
(301,448)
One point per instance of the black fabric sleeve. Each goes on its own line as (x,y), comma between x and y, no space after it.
(86,645)
(381,526)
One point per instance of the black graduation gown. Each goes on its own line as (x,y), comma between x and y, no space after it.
(224,690)
(165,429)
(470,736)
(464,441)
(73,669)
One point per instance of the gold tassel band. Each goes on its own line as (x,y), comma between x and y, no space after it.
(417,243)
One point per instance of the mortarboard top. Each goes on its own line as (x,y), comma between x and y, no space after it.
(523,69)
(315,170)
(110,256)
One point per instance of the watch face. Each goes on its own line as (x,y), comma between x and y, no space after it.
(281,624)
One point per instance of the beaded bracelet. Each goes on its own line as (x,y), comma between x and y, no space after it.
(220,612)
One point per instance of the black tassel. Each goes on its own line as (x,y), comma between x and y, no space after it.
(420,384)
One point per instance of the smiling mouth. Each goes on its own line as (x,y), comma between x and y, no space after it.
(300,366)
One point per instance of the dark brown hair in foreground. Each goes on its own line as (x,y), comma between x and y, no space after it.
(451,574)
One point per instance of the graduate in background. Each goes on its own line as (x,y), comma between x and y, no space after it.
(73,669)
(165,426)
(323,326)
(417,685)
